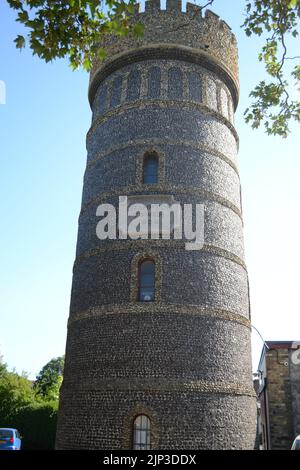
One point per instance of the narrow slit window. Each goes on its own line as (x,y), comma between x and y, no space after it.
(141,433)
(146,281)
(150,170)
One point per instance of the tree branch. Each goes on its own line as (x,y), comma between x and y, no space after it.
(184,25)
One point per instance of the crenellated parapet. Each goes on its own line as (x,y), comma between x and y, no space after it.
(173,34)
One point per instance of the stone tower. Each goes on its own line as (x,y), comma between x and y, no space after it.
(171,369)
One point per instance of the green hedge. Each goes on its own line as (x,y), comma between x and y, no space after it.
(36,424)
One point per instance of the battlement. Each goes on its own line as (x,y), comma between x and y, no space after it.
(193,12)
(191,35)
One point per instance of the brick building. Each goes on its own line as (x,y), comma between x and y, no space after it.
(158,347)
(279,394)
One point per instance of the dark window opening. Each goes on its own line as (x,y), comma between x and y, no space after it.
(150,170)
(146,281)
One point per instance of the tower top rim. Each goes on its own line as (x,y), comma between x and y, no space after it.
(208,39)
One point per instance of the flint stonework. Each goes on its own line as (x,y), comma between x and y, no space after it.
(183,359)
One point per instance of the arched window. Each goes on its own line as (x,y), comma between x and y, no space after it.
(141,433)
(150,169)
(154,82)
(175,84)
(195,90)
(116,91)
(146,281)
(133,85)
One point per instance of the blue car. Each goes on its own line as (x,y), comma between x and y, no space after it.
(296,443)
(10,439)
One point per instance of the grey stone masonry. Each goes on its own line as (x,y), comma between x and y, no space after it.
(295,390)
(184,358)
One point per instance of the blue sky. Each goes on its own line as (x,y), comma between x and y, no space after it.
(42,153)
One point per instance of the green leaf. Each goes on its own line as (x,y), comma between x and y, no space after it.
(102,54)
(20,42)
(38,25)
(293,4)
(138,29)
(23,16)
(296,72)
(87,64)
(15,4)
(130,9)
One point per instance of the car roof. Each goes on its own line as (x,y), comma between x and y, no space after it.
(8,429)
